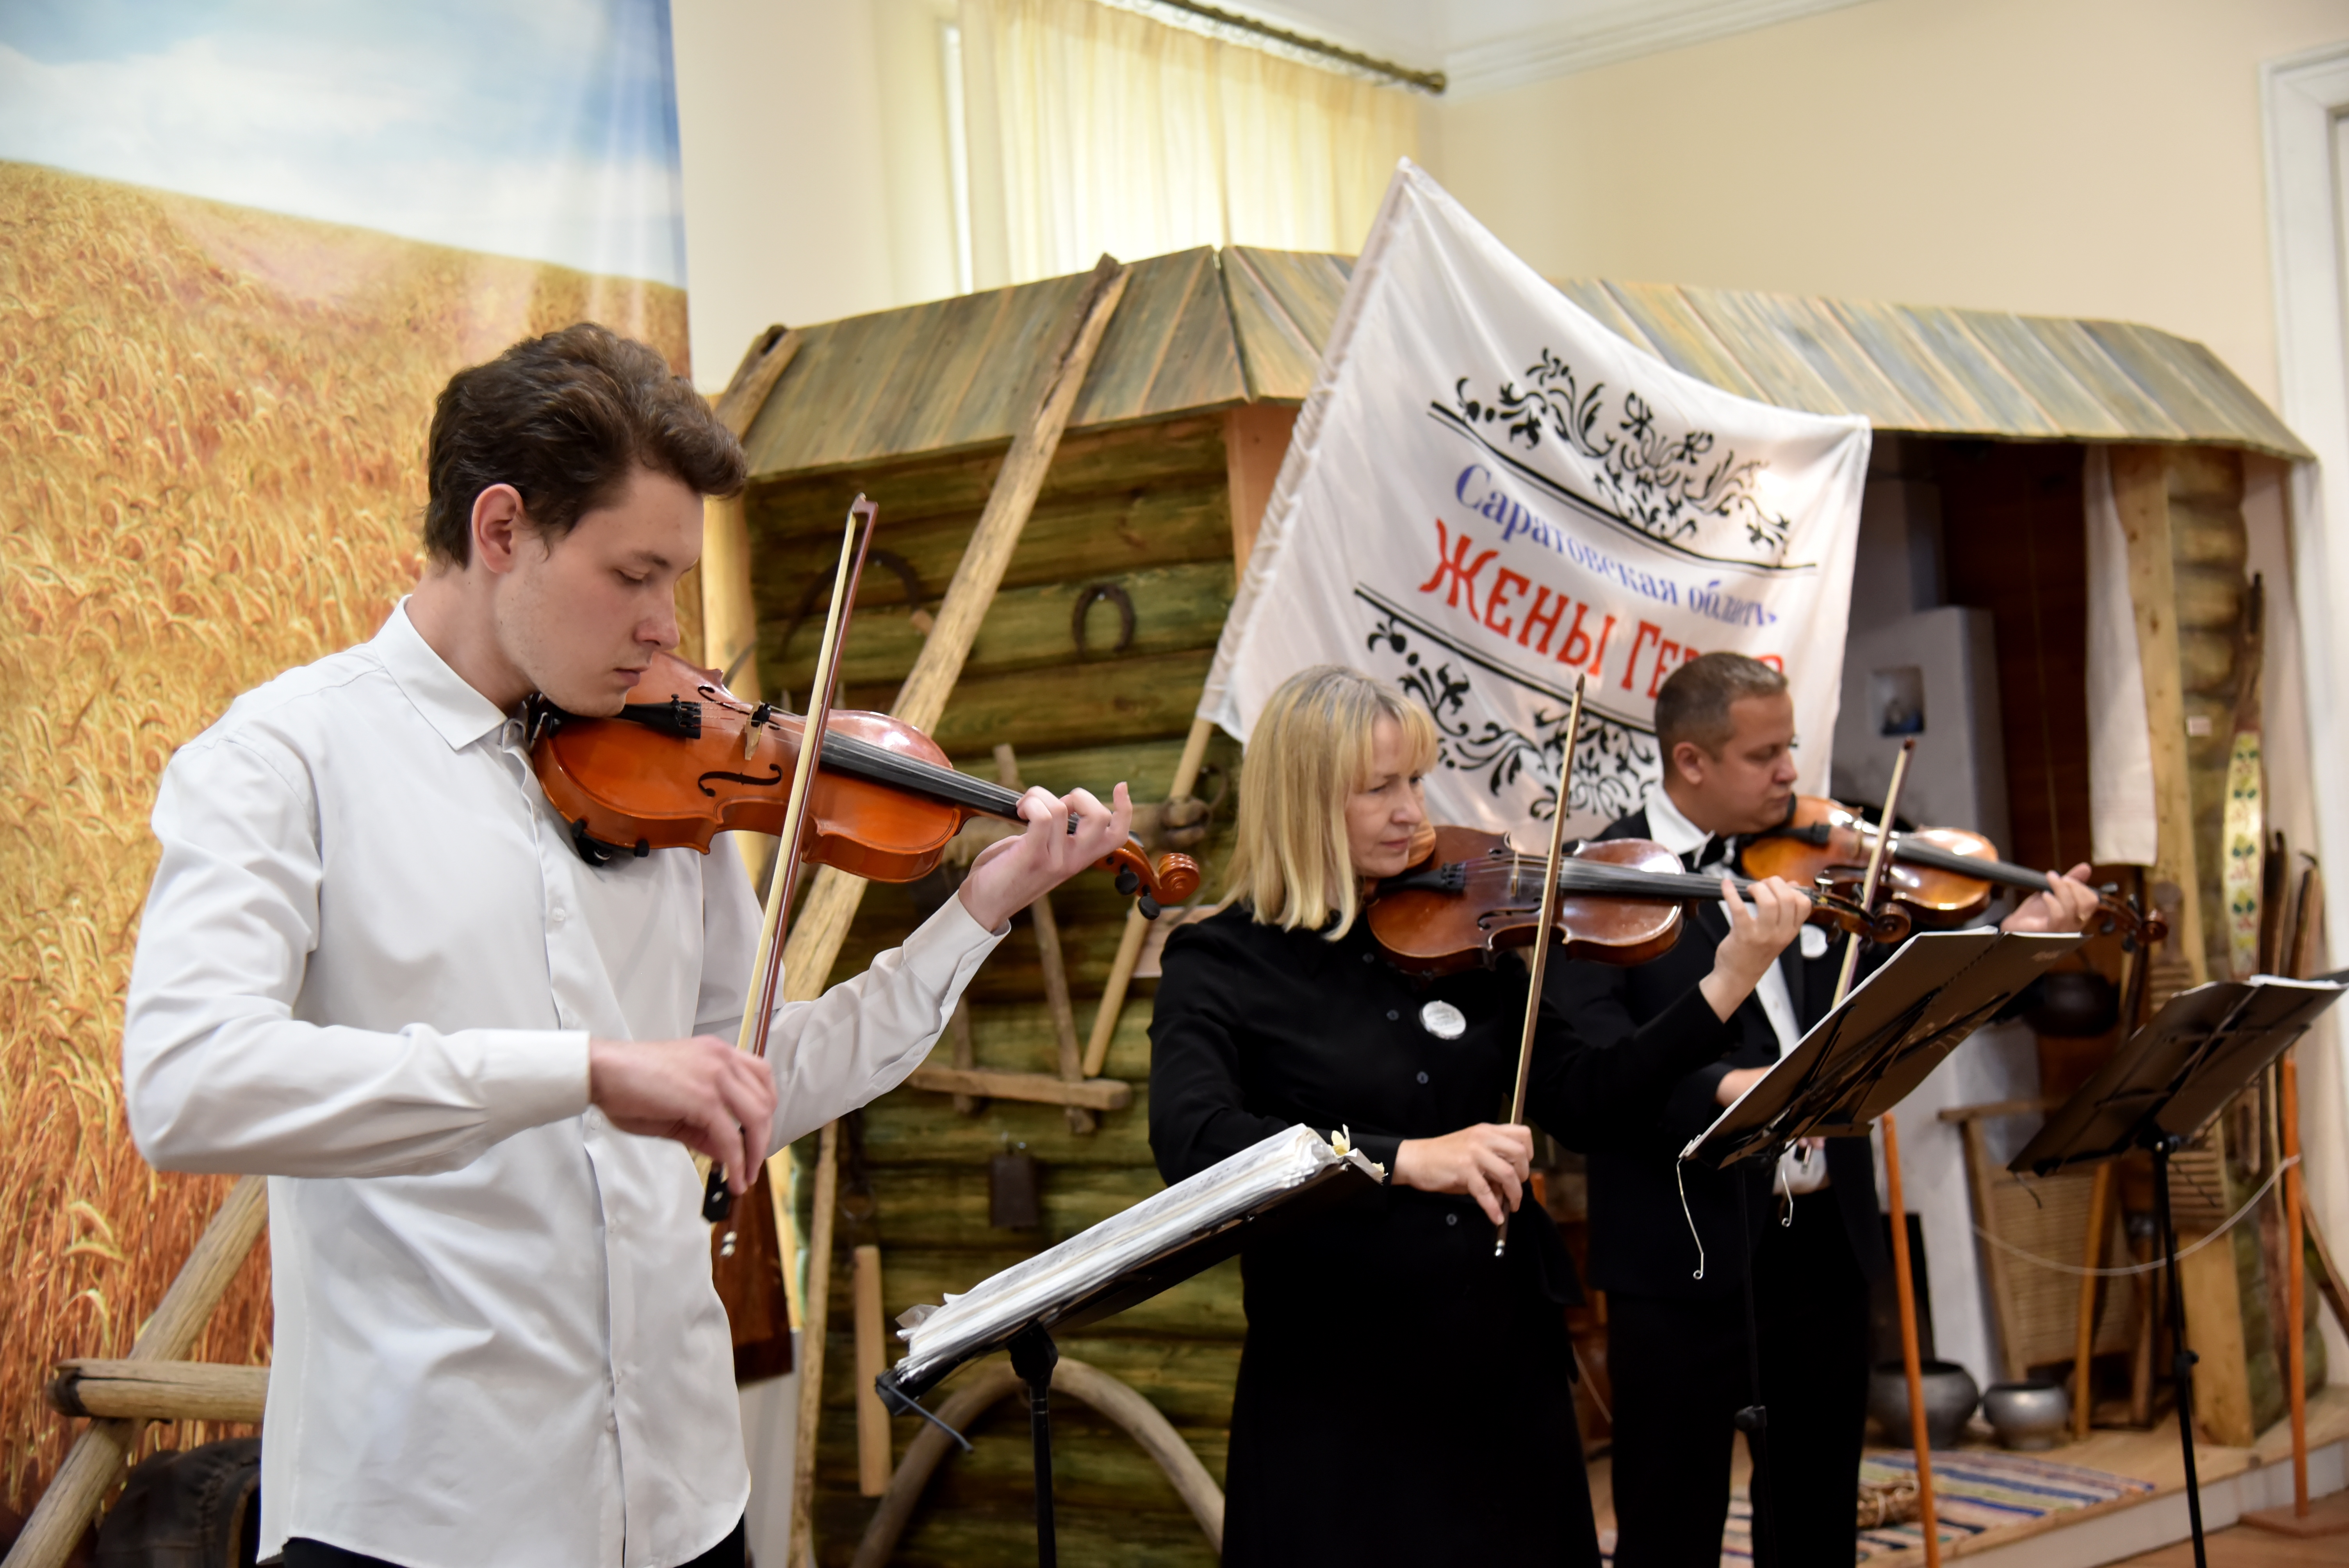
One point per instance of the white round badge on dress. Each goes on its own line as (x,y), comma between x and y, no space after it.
(1444,1020)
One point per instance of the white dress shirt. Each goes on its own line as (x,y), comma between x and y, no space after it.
(1800,1170)
(369,967)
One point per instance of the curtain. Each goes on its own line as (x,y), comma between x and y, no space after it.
(1092,129)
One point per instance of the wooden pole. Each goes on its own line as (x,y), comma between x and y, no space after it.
(963,1057)
(2092,1257)
(873,1457)
(1911,1358)
(1129,944)
(831,897)
(810,1362)
(159,1390)
(2141,497)
(95,1462)
(2295,1282)
(1067,1062)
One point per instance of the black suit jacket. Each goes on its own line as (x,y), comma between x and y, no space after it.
(1640,1240)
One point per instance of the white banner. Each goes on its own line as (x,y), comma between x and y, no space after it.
(1489,493)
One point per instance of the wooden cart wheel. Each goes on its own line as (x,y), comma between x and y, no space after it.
(1112,1397)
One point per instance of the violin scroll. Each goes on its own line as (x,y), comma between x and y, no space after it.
(1172,879)
(1835,906)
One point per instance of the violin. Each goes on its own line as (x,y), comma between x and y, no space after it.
(686,759)
(1620,901)
(1943,876)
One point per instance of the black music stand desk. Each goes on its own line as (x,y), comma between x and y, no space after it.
(2159,1091)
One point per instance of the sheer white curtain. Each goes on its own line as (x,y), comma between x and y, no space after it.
(1093,129)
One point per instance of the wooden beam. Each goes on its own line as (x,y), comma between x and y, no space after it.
(1037,1088)
(729,618)
(94,1465)
(830,903)
(159,1390)
(1066,1056)
(817,1312)
(1129,943)
(1256,441)
(2214,1332)
(763,364)
(874,1460)
(2092,1258)
(2141,494)
(1980,1175)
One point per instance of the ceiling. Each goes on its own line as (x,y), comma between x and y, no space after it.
(1489,46)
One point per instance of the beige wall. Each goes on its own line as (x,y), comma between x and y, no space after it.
(814,137)
(2093,158)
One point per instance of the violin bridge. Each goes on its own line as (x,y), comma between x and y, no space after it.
(750,727)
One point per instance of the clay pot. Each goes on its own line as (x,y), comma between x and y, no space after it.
(2029,1415)
(1951,1396)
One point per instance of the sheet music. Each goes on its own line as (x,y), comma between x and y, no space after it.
(1225,1191)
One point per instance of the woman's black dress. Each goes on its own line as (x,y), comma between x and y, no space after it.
(1403,1396)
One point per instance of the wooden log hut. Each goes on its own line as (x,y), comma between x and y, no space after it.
(1090,657)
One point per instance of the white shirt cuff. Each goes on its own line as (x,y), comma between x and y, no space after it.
(533,1076)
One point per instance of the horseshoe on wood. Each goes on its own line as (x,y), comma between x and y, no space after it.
(1093,595)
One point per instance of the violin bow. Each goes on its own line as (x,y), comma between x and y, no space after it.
(766,970)
(1541,964)
(1876,859)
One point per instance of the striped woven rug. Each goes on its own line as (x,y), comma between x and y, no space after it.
(1974,1490)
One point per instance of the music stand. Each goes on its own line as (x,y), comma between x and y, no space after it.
(2161,1090)
(1125,1260)
(1858,1063)
(1870,1053)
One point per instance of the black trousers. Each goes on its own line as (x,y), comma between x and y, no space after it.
(1680,1373)
(304,1552)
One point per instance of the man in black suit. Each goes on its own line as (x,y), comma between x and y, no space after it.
(1669,1245)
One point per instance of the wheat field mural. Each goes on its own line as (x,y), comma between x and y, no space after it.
(213,426)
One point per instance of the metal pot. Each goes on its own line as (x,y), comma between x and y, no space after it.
(2028,1414)
(2074,1004)
(1951,1396)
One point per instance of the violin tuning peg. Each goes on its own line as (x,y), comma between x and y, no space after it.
(1149,907)
(1127,882)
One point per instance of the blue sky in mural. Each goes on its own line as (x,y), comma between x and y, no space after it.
(544,129)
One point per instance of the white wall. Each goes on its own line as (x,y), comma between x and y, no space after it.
(2087,157)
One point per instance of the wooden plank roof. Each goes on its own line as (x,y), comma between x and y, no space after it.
(1943,372)
(1201,330)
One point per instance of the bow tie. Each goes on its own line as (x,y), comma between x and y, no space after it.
(1715,847)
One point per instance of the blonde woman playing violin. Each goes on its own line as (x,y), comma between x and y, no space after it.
(1404,1395)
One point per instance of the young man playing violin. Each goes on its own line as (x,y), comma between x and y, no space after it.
(475,1067)
(1676,1336)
